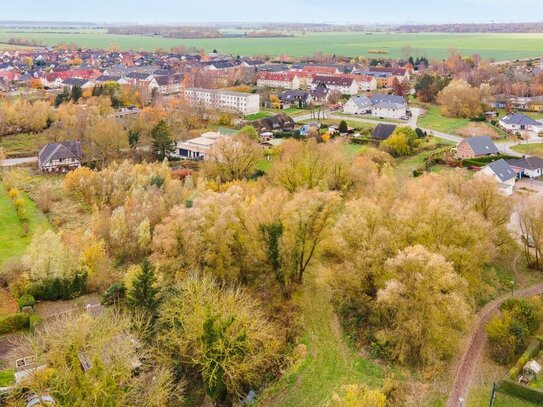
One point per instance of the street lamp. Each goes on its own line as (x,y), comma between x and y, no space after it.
(512,288)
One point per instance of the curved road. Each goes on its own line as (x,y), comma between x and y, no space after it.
(470,358)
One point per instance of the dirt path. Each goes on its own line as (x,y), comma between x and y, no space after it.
(468,364)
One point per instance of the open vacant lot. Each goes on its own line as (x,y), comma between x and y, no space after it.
(432,45)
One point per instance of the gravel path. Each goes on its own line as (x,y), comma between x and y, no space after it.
(466,369)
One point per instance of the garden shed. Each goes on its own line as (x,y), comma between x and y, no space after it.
(531,370)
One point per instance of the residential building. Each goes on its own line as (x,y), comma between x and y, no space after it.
(279,122)
(383,131)
(298,98)
(473,147)
(235,102)
(282,80)
(60,157)
(519,122)
(531,167)
(70,83)
(167,84)
(383,106)
(198,148)
(504,175)
(358,105)
(336,83)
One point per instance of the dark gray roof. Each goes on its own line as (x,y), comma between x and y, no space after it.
(361,101)
(55,151)
(520,119)
(383,131)
(294,95)
(527,163)
(502,170)
(75,81)
(376,99)
(482,145)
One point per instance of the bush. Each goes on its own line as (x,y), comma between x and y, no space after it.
(14,322)
(60,288)
(26,300)
(519,390)
(114,294)
(482,161)
(34,321)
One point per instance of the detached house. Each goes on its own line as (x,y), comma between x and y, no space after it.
(519,122)
(504,175)
(473,147)
(299,98)
(528,166)
(60,157)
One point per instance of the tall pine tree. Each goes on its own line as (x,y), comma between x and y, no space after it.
(163,143)
(144,291)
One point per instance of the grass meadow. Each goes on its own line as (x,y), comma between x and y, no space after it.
(501,46)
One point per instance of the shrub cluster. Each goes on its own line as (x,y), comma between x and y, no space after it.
(19,204)
(60,288)
(14,322)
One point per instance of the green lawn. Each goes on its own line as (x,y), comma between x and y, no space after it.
(259,115)
(435,121)
(530,149)
(502,46)
(12,241)
(7,377)
(23,144)
(329,363)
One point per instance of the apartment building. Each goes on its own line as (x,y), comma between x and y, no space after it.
(235,102)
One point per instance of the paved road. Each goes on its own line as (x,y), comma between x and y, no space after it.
(9,162)
(470,359)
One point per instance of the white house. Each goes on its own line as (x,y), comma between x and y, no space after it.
(236,102)
(346,85)
(520,122)
(383,106)
(528,166)
(388,106)
(504,175)
(197,148)
(358,105)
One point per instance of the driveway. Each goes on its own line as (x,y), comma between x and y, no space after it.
(526,183)
(10,162)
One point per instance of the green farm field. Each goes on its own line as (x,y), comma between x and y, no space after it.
(433,45)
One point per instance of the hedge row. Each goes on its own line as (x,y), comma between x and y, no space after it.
(14,322)
(60,288)
(510,386)
(482,161)
(513,388)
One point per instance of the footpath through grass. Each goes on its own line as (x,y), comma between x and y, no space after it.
(329,363)
(12,241)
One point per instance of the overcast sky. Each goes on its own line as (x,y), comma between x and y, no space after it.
(344,11)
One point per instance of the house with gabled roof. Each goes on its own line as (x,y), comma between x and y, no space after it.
(520,122)
(528,166)
(383,131)
(504,175)
(473,147)
(60,157)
